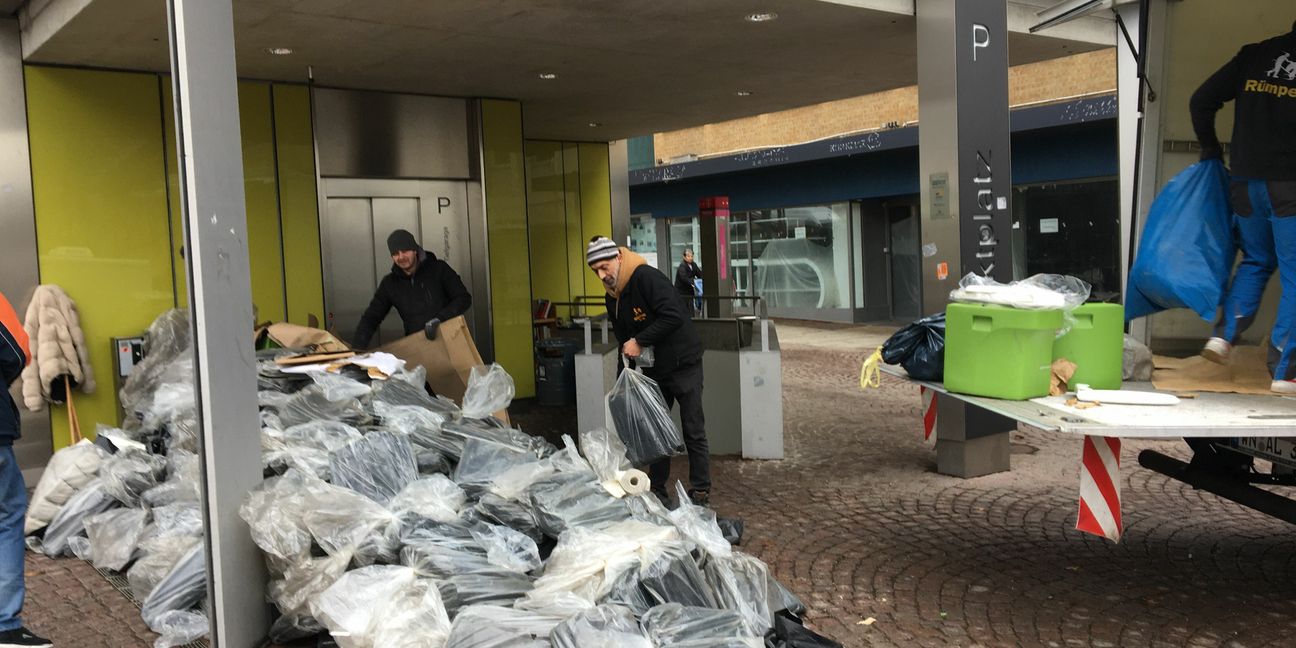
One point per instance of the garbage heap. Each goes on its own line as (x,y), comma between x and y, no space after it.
(390,518)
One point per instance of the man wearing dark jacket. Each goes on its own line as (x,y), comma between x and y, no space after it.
(424,289)
(1261,82)
(14,355)
(646,311)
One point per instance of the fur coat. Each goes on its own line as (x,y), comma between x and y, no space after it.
(58,348)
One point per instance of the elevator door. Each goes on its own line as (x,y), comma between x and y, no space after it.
(358,217)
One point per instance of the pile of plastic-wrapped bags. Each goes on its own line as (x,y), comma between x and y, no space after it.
(390,518)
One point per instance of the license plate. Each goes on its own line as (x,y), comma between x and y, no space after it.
(1278,450)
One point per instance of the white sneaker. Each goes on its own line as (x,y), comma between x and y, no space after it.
(1286,387)
(1217,350)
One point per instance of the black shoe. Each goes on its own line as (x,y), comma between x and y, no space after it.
(700,497)
(22,638)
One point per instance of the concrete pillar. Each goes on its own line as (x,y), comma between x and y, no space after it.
(970,441)
(220,295)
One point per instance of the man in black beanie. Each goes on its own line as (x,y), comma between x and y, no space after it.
(424,289)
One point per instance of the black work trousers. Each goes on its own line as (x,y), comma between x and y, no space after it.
(685,387)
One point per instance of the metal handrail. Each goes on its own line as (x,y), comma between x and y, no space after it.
(759,308)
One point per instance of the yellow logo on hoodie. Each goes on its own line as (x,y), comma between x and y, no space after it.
(639,315)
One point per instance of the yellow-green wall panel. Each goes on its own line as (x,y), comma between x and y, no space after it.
(265,250)
(99,190)
(547,223)
(298,204)
(173,195)
(576,239)
(596,200)
(504,183)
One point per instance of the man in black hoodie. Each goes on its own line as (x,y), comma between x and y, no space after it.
(424,289)
(1261,83)
(646,311)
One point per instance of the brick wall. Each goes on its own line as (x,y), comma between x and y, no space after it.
(1080,74)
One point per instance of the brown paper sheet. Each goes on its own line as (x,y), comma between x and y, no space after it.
(1246,373)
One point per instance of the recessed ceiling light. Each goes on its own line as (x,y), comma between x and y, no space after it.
(594,124)
(743,93)
(547,76)
(761,17)
(279,51)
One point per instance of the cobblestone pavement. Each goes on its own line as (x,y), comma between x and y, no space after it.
(856,521)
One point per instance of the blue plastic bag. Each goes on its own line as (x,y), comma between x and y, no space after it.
(1187,250)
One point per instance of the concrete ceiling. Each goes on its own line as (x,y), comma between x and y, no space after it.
(632,66)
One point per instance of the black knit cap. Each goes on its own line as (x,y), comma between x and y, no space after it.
(401,240)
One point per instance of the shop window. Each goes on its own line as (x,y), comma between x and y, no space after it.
(1074,229)
(796,257)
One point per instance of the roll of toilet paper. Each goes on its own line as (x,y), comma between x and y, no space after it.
(633,482)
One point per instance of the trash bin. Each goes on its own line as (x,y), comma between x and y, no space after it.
(556,371)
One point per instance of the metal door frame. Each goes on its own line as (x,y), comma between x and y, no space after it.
(890,247)
(477,272)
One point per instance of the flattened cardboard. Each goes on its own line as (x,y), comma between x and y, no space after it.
(448,359)
(1246,373)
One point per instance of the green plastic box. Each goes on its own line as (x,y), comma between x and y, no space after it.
(1095,344)
(999,352)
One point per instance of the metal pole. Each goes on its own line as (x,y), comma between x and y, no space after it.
(211,185)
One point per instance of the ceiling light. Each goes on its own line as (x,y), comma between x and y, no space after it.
(761,17)
(547,76)
(279,51)
(594,124)
(743,93)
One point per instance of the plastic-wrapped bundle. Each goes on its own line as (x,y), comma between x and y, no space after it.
(166,339)
(637,412)
(514,514)
(126,475)
(674,577)
(272,398)
(400,392)
(444,550)
(566,500)
(676,626)
(344,522)
(434,497)
(310,404)
(182,518)
(273,512)
(182,588)
(306,446)
(783,600)
(161,554)
(500,587)
(338,387)
(599,627)
(698,523)
(625,592)
(378,465)
(507,548)
(431,462)
(302,581)
(179,627)
(741,584)
(114,535)
(70,520)
(382,606)
(67,472)
(182,482)
(605,453)
(489,626)
(172,401)
(483,461)
(455,434)
(490,389)
(420,424)
(80,547)
(589,563)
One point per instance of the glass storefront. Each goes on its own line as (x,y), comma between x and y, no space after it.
(795,257)
(1071,228)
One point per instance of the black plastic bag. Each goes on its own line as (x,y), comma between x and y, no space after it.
(787,633)
(919,348)
(732,528)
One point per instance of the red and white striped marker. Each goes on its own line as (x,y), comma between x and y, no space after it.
(1100,512)
(928,414)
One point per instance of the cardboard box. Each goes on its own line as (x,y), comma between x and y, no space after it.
(448,359)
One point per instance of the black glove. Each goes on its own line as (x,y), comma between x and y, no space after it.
(430,329)
(1213,153)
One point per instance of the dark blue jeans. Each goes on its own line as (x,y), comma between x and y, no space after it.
(13,508)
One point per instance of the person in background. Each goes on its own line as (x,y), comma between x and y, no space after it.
(14,355)
(685,275)
(1261,82)
(646,311)
(424,289)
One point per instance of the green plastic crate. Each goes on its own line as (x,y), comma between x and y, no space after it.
(999,352)
(1095,345)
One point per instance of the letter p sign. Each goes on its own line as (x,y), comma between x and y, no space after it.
(980,38)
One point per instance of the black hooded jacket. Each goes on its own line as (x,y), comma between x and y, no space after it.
(1261,81)
(434,291)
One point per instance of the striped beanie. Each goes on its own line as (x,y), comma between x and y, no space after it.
(600,248)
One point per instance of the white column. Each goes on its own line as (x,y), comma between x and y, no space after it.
(211,185)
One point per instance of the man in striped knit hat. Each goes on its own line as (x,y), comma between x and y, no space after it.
(646,311)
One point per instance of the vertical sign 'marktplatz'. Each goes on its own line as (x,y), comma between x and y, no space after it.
(984,161)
